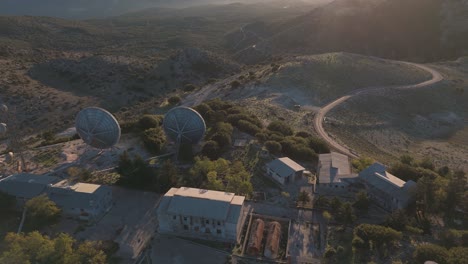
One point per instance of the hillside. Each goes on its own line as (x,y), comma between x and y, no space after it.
(425,123)
(419,30)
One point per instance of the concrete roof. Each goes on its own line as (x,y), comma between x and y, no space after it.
(333,167)
(201,203)
(285,166)
(78,195)
(26,185)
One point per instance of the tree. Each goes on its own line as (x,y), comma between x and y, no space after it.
(167,176)
(427,163)
(432,252)
(273,147)
(281,127)
(406,159)
(345,214)
(362,163)
(36,248)
(174,100)
(7,203)
(150,121)
(362,202)
(457,255)
(154,139)
(135,173)
(303,197)
(41,211)
(211,149)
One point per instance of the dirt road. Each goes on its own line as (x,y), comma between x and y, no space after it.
(319,117)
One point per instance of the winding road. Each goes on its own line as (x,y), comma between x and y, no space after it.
(319,117)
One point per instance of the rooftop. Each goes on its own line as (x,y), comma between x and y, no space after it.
(78,187)
(333,167)
(377,176)
(201,203)
(285,166)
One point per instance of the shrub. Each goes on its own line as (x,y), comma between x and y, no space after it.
(430,252)
(150,121)
(235,84)
(247,127)
(281,127)
(211,149)
(190,87)
(273,147)
(154,139)
(202,109)
(174,100)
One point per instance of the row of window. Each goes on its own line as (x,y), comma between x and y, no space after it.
(206,221)
(207,230)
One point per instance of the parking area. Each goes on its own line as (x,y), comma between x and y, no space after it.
(303,243)
(168,249)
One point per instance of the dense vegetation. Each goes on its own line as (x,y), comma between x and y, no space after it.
(63,249)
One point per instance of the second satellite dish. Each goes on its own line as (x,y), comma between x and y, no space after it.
(97,127)
(184,125)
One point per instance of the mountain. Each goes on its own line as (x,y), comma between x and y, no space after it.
(82,9)
(421,30)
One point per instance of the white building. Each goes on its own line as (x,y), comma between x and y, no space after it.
(202,214)
(284,170)
(334,171)
(386,189)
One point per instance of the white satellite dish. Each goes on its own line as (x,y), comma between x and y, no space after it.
(97,127)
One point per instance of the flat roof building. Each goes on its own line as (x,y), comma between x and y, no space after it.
(333,170)
(202,213)
(83,200)
(25,186)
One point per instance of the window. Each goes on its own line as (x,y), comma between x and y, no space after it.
(219,223)
(218,231)
(185,227)
(207,221)
(185,218)
(207,230)
(196,228)
(174,217)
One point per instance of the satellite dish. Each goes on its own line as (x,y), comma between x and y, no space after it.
(184,125)
(3,128)
(97,127)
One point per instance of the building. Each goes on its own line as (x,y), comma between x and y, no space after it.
(202,214)
(82,200)
(26,186)
(284,170)
(386,189)
(334,171)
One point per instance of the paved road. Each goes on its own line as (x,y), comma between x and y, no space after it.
(318,120)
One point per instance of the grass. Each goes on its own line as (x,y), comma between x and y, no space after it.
(48,158)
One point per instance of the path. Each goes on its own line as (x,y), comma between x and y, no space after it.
(318,120)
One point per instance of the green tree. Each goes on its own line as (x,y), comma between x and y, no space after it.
(362,163)
(432,252)
(167,176)
(150,121)
(154,139)
(281,127)
(327,216)
(36,248)
(406,159)
(174,100)
(211,149)
(458,255)
(213,183)
(362,202)
(41,211)
(273,147)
